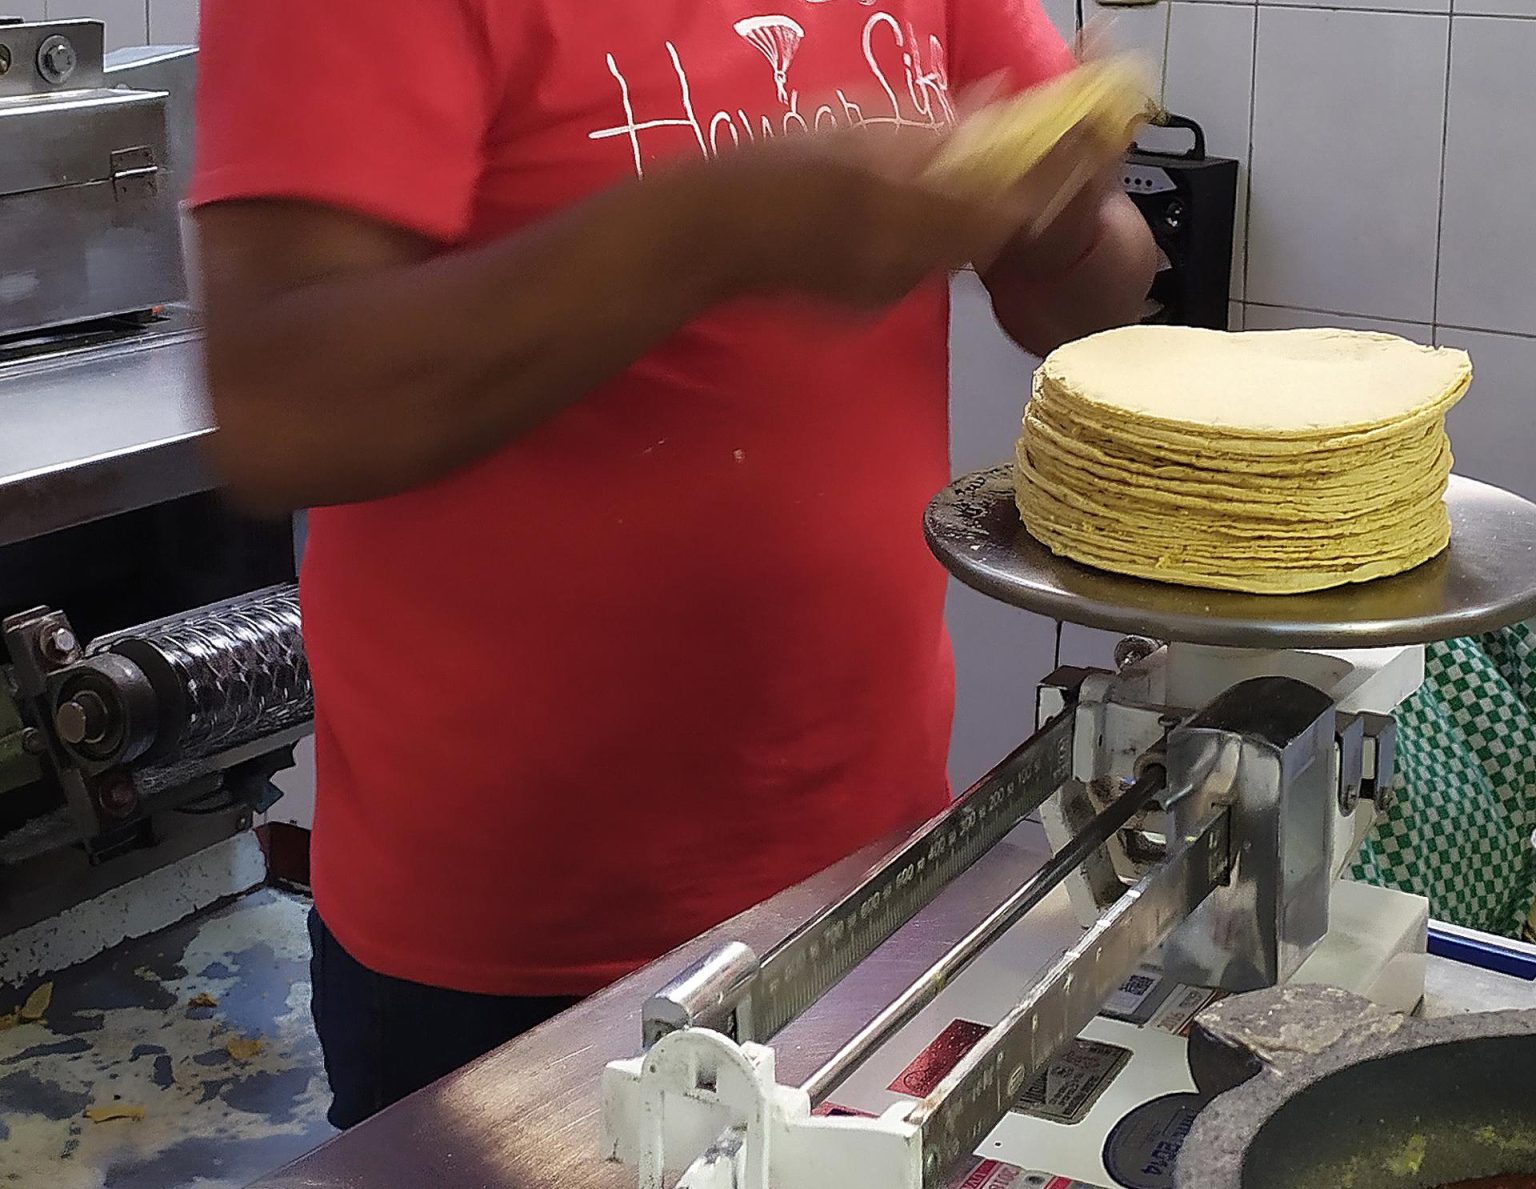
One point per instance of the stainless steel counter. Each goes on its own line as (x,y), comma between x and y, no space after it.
(528,1114)
(98,430)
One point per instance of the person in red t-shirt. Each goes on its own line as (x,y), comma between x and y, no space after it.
(608,342)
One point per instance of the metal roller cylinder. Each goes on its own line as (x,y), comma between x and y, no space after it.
(192,685)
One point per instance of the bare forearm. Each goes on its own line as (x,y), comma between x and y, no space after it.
(1103,288)
(381,380)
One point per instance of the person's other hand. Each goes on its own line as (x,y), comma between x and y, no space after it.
(1062,198)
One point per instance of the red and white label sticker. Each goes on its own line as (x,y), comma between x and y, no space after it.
(935,1062)
(993,1174)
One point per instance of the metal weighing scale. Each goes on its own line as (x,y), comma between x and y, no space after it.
(1004,999)
(1200,805)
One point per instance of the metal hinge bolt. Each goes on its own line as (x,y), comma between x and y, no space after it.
(1133,650)
(59,645)
(56,60)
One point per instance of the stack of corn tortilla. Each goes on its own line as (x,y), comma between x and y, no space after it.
(1274,462)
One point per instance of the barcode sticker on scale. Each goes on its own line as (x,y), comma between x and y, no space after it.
(1138,997)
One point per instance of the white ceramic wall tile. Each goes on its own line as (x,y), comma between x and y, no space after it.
(989,379)
(1210,79)
(1493,429)
(172,22)
(1131,28)
(999,652)
(1494,8)
(1209,71)
(1488,238)
(1236,318)
(1349,109)
(1063,14)
(127,21)
(27,10)
(297,806)
(1257,317)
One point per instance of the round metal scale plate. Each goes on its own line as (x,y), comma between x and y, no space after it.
(1485,580)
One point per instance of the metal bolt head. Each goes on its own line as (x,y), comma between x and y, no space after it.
(1385,797)
(5,59)
(118,798)
(83,719)
(1349,798)
(1133,650)
(33,742)
(56,60)
(59,644)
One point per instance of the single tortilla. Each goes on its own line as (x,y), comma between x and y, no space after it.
(993,149)
(116,1110)
(37,1003)
(1259,390)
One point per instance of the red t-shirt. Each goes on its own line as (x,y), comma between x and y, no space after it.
(682,646)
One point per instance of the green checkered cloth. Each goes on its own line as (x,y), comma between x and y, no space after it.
(1460,830)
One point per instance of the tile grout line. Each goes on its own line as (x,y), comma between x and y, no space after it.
(1340,6)
(1371,10)
(1253,115)
(1488,330)
(1501,334)
(1445,142)
(1269,305)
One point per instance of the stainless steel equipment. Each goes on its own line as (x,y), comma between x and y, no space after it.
(1203,797)
(199,709)
(94,425)
(157,740)
(149,742)
(89,224)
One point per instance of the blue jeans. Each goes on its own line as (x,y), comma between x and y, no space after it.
(384,1038)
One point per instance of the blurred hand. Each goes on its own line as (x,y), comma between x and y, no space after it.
(847,217)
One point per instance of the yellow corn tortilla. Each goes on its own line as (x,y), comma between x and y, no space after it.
(1269,462)
(990,151)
